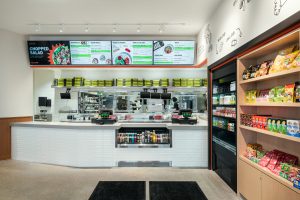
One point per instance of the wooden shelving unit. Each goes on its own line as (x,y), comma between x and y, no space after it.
(251,174)
(273,134)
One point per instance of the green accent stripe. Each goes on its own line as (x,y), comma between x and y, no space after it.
(143,62)
(80,46)
(184,48)
(142,57)
(163,62)
(142,46)
(101,51)
(81,55)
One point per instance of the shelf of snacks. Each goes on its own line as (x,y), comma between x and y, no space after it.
(274,134)
(272,76)
(287,96)
(223,123)
(225,112)
(269,173)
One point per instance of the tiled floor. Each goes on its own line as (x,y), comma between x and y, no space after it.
(32,181)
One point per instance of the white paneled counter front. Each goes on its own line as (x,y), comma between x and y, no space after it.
(90,145)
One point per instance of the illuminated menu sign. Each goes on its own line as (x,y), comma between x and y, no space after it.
(49,52)
(174,52)
(90,52)
(132,52)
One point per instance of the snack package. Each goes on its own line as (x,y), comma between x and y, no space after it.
(283,127)
(251,150)
(277,65)
(289,93)
(269,124)
(263,96)
(296,183)
(295,63)
(289,59)
(285,167)
(274,160)
(280,59)
(266,159)
(246,73)
(253,96)
(284,175)
(297,92)
(290,159)
(254,70)
(293,128)
(260,153)
(272,93)
(279,94)
(264,68)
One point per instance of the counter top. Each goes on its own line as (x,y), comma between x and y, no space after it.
(202,124)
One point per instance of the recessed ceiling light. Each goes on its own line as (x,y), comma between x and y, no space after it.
(37,27)
(86,29)
(61,28)
(114,28)
(138,29)
(161,28)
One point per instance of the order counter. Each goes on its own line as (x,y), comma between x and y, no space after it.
(91,145)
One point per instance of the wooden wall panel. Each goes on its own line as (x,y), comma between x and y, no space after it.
(5,135)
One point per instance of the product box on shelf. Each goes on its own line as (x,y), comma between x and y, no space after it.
(293,128)
(277,125)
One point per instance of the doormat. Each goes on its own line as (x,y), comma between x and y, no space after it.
(178,190)
(119,190)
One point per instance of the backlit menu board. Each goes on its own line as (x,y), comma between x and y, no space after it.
(90,52)
(174,52)
(132,52)
(49,52)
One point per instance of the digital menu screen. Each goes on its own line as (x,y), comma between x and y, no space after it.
(49,52)
(174,52)
(132,52)
(90,52)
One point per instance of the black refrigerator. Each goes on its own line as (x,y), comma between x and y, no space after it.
(222,122)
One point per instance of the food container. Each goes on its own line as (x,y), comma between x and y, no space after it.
(120,82)
(109,83)
(197,82)
(87,83)
(95,83)
(183,82)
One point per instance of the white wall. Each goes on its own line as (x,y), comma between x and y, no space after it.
(16,79)
(216,37)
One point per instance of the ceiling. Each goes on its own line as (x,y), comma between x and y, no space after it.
(17,15)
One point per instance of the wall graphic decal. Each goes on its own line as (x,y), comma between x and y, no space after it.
(231,40)
(241,4)
(208,36)
(278,4)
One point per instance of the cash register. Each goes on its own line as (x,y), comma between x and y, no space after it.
(105,117)
(184,116)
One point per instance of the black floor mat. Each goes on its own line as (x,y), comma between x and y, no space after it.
(163,190)
(119,190)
